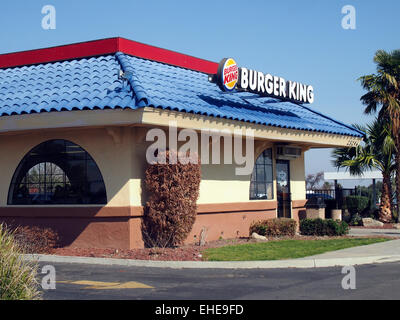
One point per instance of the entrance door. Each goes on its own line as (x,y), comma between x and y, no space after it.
(283,188)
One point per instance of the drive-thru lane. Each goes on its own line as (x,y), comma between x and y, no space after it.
(84,281)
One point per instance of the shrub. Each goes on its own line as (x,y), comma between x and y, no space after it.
(35,239)
(356,204)
(17,276)
(274,227)
(170,211)
(310,227)
(259,227)
(320,227)
(356,220)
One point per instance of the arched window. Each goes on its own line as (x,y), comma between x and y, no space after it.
(57,172)
(261,185)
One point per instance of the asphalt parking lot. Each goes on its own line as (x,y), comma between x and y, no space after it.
(92,282)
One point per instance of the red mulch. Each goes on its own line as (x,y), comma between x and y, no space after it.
(190,252)
(184,253)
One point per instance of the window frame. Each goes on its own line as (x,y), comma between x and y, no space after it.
(255,182)
(59,152)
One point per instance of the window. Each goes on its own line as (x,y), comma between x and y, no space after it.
(57,172)
(261,185)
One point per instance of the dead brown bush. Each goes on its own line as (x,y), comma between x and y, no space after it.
(170,211)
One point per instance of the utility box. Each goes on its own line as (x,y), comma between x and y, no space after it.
(315,208)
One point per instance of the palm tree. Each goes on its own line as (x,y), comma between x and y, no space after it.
(375,152)
(384,94)
(327,186)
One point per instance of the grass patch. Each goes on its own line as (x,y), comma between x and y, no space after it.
(283,249)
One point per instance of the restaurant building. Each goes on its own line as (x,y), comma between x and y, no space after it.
(73,126)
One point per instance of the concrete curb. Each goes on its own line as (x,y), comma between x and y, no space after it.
(276,264)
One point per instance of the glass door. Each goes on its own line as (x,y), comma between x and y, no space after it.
(283,188)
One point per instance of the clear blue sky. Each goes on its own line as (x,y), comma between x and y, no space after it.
(298,40)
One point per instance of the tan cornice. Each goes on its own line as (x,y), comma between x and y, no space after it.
(21,124)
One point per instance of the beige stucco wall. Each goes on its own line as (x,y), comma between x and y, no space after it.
(113,159)
(219,182)
(297,177)
(118,145)
(120,155)
(116,141)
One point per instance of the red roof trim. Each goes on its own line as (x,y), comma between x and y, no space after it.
(145,51)
(65,52)
(106,46)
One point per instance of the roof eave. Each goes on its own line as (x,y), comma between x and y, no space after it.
(104,47)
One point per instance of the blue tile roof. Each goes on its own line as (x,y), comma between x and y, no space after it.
(94,83)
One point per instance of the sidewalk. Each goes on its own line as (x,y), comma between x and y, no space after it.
(388,248)
(388,251)
(374,232)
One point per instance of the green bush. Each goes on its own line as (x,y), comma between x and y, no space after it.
(356,220)
(17,277)
(274,227)
(259,227)
(320,227)
(356,204)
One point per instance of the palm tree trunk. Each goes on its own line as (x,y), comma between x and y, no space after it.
(395,123)
(385,212)
(397,160)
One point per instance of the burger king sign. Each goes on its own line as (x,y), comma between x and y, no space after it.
(228,74)
(230,77)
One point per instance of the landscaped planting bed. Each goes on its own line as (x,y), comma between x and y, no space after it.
(187,252)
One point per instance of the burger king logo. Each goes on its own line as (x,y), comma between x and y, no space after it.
(228,74)
(230,77)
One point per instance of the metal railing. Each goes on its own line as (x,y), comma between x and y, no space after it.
(332,193)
